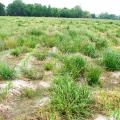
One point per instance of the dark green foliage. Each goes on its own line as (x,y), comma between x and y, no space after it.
(69,99)
(111,59)
(108,16)
(2,9)
(17,8)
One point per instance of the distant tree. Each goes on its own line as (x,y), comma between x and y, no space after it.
(93,15)
(29,8)
(108,16)
(87,14)
(49,11)
(2,9)
(37,10)
(55,12)
(65,12)
(77,12)
(17,8)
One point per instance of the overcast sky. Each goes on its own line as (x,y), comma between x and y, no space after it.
(94,6)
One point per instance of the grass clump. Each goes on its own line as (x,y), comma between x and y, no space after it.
(25,49)
(6,73)
(15,52)
(68,99)
(111,59)
(101,43)
(48,66)
(4,91)
(108,100)
(33,73)
(28,93)
(9,44)
(67,48)
(50,41)
(35,32)
(40,55)
(74,65)
(93,75)
(89,50)
(2,44)
(116,114)
(31,43)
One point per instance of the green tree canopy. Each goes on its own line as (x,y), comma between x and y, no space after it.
(2,9)
(17,8)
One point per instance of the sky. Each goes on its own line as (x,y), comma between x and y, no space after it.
(93,6)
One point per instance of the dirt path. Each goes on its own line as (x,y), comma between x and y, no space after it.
(13,106)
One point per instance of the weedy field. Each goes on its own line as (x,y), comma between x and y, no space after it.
(59,69)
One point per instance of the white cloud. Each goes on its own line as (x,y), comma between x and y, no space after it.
(94,6)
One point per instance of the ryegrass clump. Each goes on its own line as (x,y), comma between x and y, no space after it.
(25,49)
(68,99)
(74,65)
(50,41)
(101,43)
(48,66)
(4,91)
(9,44)
(89,50)
(6,73)
(93,75)
(108,100)
(68,48)
(2,45)
(15,52)
(111,59)
(116,114)
(31,43)
(118,33)
(35,32)
(33,73)
(28,93)
(19,50)
(40,55)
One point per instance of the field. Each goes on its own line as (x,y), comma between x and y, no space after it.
(59,69)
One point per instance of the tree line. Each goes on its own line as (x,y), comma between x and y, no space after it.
(18,8)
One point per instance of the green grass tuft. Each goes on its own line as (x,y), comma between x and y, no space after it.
(93,75)
(6,73)
(68,99)
(89,50)
(48,66)
(74,65)
(111,59)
